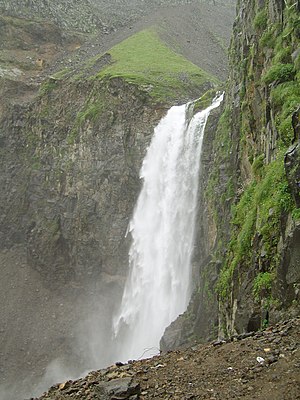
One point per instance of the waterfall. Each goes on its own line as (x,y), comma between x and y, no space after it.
(158,286)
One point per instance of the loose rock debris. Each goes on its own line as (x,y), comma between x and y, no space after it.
(228,370)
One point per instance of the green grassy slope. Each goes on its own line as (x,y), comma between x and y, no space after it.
(143,59)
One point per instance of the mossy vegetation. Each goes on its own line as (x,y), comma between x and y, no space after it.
(53,81)
(285,99)
(144,60)
(272,64)
(48,86)
(262,285)
(257,215)
(218,193)
(257,166)
(261,20)
(204,101)
(296,214)
(89,113)
(279,73)
(222,149)
(282,74)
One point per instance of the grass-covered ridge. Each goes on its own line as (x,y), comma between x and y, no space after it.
(143,59)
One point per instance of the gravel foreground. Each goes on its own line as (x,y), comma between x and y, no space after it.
(257,365)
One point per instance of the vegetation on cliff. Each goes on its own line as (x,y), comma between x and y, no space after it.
(255,133)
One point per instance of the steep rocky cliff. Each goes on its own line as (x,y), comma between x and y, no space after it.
(260,278)
(251,192)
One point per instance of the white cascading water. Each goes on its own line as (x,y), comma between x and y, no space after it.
(158,286)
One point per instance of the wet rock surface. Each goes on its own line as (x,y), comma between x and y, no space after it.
(261,365)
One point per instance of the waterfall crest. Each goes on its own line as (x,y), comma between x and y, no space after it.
(158,285)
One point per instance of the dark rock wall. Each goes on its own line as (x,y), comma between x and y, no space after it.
(70,177)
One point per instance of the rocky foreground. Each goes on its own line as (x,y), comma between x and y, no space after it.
(258,365)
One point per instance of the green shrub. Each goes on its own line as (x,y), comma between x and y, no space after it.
(257,166)
(90,112)
(223,285)
(285,91)
(285,99)
(285,130)
(296,27)
(280,73)
(261,20)
(296,214)
(48,86)
(267,40)
(262,283)
(283,55)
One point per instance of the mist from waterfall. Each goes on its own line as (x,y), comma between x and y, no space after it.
(158,286)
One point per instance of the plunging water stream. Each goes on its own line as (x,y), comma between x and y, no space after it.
(158,286)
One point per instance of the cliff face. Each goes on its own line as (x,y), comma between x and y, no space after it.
(252,189)
(79,178)
(259,281)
